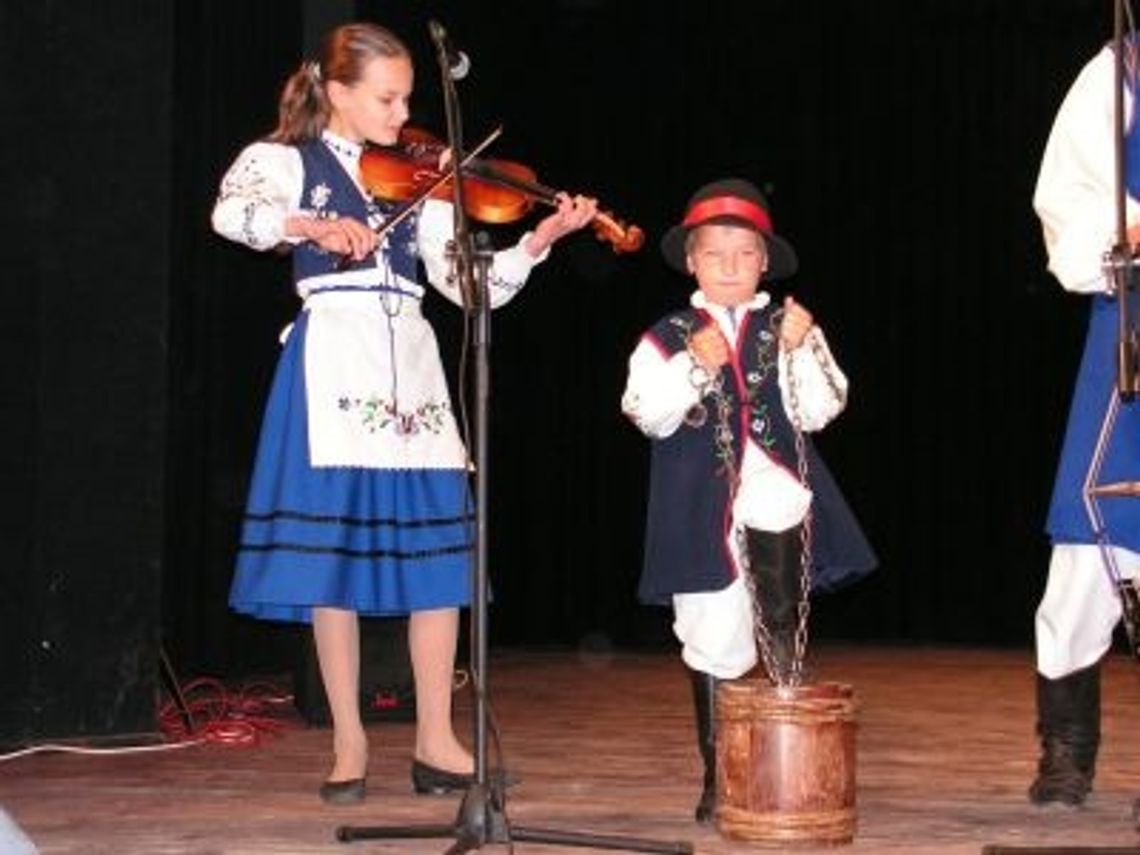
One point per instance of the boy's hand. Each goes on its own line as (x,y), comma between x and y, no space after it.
(709,348)
(795,324)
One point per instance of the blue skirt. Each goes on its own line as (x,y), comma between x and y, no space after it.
(1068,521)
(375,541)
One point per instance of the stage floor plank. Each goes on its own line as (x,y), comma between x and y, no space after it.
(604,745)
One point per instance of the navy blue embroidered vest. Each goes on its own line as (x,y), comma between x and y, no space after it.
(750,385)
(329,190)
(689,510)
(688,492)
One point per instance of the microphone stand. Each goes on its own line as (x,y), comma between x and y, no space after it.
(1121,263)
(482,813)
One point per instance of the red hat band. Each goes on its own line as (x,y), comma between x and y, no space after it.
(728,206)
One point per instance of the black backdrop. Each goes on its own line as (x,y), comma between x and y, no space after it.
(83,342)
(899,144)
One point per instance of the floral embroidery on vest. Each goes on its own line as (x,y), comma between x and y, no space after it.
(709,385)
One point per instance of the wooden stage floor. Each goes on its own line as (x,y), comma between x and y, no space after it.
(604,744)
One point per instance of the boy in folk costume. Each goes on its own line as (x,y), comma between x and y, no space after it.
(721,387)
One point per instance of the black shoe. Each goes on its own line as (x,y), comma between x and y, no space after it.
(428,780)
(1058,777)
(706,807)
(343,792)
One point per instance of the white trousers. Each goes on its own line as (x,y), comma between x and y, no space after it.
(1079,609)
(715,630)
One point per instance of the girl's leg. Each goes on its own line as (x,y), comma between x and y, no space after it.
(432,637)
(337,635)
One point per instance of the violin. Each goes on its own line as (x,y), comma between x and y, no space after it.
(494,191)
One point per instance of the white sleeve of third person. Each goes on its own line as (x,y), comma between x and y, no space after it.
(1075,193)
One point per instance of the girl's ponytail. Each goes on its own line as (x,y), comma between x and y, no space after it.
(304,108)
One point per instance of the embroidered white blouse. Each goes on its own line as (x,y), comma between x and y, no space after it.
(263,188)
(376,394)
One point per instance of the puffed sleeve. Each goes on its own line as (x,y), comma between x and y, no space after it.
(659,389)
(812,387)
(509,267)
(258,192)
(1075,196)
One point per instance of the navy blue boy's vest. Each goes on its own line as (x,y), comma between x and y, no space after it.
(688,492)
(689,500)
(328,191)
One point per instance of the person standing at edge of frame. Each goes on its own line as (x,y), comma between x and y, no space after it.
(1075,199)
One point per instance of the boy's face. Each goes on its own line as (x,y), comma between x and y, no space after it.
(727,261)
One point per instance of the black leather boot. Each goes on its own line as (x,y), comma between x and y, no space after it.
(775,566)
(704,705)
(1068,722)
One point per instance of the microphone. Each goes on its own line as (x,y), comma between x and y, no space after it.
(458,64)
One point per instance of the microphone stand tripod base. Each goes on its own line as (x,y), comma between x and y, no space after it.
(482,820)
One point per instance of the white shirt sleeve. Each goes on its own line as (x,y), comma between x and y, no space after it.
(658,391)
(820,386)
(258,192)
(509,267)
(1075,192)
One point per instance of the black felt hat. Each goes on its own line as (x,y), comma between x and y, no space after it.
(732,201)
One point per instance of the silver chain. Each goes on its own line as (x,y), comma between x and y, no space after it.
(760,629)
(803,607)
(824,361)
(711,385)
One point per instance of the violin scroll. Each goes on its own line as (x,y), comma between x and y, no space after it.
(622,238)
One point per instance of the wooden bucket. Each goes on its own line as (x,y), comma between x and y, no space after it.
(785,763)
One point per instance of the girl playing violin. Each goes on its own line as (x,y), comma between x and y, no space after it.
(359,501)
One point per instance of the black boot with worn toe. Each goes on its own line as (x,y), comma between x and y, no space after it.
(704,704)
(1068,722)
(774,563)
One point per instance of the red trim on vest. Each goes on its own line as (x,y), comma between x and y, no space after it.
(657,343)
(728,206)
